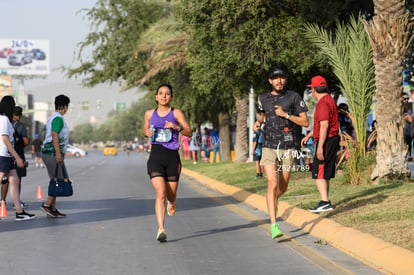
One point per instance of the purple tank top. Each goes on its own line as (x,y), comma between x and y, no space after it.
(158,123)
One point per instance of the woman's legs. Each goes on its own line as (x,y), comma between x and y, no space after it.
(50,162)
(14,190)
(160,194)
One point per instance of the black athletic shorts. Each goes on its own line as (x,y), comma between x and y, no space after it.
(256,157)
(164,163)
(325,169)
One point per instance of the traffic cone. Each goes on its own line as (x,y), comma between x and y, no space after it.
(3,209)
(39,193)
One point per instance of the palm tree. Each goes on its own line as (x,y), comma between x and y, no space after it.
(350,56)
(167,40)
(390,34)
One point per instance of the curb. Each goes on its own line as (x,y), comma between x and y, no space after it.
(384,256)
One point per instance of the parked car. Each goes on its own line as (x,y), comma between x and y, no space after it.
(20,57)
(72,151)
(4,53)
(110,150)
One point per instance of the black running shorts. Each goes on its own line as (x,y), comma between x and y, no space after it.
(164,163)
(325,169)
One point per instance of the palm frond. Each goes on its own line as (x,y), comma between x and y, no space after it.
(350,54)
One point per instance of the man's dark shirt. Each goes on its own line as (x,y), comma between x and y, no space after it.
(278,132)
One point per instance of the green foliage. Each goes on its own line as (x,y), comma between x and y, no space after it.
(235,43)
(349,53)
(115,28)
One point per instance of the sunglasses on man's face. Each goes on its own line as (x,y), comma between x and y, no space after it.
(405,98)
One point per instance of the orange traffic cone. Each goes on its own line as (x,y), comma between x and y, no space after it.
(3,209)
(39,193)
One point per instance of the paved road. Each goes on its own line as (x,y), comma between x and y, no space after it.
(111,228)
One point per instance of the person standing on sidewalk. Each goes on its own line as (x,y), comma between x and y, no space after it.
(257,152)
(21,140)
(163,125)
(279,110)
(9,158)
(53,150)
(37,150)
(326,135)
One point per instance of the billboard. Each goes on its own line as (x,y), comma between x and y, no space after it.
(24,57)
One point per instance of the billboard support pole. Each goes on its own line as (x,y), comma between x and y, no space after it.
(21,86)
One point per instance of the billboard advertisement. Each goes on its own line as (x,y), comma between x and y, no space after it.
(24,57)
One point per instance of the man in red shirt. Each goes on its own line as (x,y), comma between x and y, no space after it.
(325,133)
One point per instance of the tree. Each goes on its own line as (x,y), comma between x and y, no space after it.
(234,44)
(390,34)
(349,53)
(116,26)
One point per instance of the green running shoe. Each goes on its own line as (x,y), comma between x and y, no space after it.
(274,228)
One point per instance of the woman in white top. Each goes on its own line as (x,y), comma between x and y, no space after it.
(9,158)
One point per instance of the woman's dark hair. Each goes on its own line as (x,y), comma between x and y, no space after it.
(7,105)
(61,101)
(165,85)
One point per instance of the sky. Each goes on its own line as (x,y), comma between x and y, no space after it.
(59,21)
(64,25)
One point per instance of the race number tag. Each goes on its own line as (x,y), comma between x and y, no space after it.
(163,135)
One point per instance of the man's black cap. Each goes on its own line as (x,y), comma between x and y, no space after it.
(277,71)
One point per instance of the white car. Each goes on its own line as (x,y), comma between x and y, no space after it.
(20,58)
(72,151)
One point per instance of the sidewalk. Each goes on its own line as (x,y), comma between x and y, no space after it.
(385,257)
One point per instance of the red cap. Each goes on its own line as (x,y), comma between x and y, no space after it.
(317,81)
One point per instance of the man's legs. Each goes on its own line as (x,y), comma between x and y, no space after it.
(271,198)
(323,188)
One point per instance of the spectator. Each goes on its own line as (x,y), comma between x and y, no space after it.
(195,146)
(325,133)
(257,152)
(206,145)
(345,122)
(37,151)
(185,141)
(9,158)
(215,140)
(21,140)
(408,116)
(53,150)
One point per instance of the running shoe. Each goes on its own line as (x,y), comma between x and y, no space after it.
(24,216)
(170,209)
(274,228)
(48,211)
(322,206)
(59,214)
(161,236)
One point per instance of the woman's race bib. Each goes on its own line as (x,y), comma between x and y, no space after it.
(163,135)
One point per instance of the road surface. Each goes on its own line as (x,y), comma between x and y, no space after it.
(111,229)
